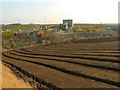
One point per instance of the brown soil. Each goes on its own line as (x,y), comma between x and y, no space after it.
(55,64)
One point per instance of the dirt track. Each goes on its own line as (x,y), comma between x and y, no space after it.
(9,80)
(70,65)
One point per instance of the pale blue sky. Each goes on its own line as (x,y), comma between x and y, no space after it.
(54,11)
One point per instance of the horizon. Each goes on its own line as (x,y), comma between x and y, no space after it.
(55,23)
(54,11)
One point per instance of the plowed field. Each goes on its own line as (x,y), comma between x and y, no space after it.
(92,64)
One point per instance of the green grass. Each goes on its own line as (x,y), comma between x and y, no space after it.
(16,28)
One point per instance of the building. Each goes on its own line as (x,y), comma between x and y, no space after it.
(68,23)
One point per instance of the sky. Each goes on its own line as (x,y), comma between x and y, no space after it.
(54,11)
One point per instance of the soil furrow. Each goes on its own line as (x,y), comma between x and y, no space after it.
(68,56)
(57,78)
(96,64)
(71,71)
